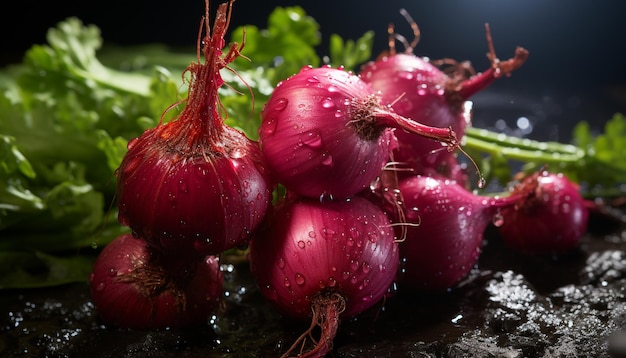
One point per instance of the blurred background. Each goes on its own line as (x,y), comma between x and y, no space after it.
(576,69)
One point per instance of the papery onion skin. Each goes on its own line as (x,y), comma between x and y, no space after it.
(132,287)
(445,238)
(309,247)
(551,218)
(195,186)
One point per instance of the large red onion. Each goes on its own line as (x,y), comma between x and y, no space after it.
(194,185)
(325,261)
(417,88)
(444,226)
(324,133)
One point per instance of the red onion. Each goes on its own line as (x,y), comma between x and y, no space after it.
(551,217)
(133,286)
(444,226)
(195,185)
(325,133)
(324,261)
(417,88)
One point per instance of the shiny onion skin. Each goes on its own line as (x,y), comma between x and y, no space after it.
(192,204)
(195,186)
(135,287)
(343,246)
(445,236)
(324,133)
(551,217)
(418,88)
(339,258)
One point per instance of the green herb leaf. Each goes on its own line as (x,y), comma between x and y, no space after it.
(351,53)
(19,269)
(287,28)
(16,201)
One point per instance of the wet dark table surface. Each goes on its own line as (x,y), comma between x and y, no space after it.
(511,305)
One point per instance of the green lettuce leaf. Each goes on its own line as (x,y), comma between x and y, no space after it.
(26,269)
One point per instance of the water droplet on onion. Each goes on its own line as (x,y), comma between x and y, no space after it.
(313,80)
(280,104)
(312,139)
(300,279)
(498,219)
(328,103)
(327,159)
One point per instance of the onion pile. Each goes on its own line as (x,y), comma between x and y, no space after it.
(374,195)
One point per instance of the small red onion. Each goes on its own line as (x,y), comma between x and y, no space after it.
(551,217)
(133,286)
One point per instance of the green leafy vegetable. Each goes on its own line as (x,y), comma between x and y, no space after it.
(287,44)
(65,119)
(16,201)
(351,53)
(23,269)
(605,153)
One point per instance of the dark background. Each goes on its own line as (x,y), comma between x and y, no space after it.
(576,69)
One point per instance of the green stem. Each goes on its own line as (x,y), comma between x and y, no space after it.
(500,139)
(521,153)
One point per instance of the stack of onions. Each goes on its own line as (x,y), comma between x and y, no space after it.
(327,252)
(189,190)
